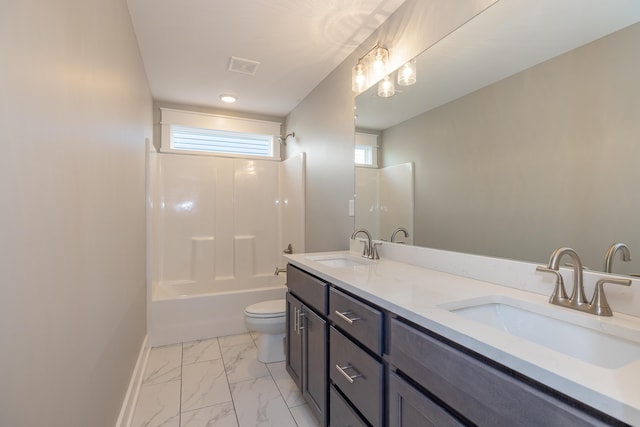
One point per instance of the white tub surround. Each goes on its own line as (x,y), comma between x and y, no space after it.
(218,230)
(417,291)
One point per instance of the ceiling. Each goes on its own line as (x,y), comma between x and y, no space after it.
(187,45)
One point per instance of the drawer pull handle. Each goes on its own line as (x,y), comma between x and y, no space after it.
(349,378)
(300,316)
(343,316)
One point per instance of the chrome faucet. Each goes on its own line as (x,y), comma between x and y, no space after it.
(611,252)
(577,297)
(577,301)
(399,230)
(370,250)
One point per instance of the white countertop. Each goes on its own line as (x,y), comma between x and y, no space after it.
(418,294)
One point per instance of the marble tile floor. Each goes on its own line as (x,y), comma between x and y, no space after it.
(218,382)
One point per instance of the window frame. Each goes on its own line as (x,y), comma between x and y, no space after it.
(171,118)
(369,140)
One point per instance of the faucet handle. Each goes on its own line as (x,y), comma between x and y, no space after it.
(559,292)
(365,249)
(599,304)
(374,250)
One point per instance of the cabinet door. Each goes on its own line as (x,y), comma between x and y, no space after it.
(315,360)
(410,408)
(358,376)
(481,393)
(309,289)
(341,414)
(361,321)
(294,340)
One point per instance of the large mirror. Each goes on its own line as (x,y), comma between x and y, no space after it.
(524,133)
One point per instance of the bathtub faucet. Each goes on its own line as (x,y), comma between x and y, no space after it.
(279,270)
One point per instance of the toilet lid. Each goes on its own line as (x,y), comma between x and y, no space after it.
(271,308)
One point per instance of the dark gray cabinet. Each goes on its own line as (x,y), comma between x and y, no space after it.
(293,349)
(314,363)
(360,365)
(408,407)
(307,342)
(341,413)
(357,319)
(356,368)
(358,375)
(477,391)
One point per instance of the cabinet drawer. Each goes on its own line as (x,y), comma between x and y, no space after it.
(483,394)
(341,413)
(357,374)
(362,322)
(309,289)
(409,407)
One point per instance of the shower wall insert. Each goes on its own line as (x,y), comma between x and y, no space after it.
(218,230)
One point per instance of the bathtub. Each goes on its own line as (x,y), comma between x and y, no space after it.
(186,310)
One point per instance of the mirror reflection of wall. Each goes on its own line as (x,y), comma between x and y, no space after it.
(539,160)
(543,159)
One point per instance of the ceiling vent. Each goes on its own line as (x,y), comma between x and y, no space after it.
(244,66)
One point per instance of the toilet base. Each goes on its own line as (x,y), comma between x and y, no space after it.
(271,348)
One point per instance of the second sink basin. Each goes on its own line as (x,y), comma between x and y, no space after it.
(572,334)
(337,260)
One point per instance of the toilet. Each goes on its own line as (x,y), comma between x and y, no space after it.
(268,318)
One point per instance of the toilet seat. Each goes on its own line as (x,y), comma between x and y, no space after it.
(267,309)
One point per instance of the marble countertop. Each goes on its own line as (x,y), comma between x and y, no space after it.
(423,296)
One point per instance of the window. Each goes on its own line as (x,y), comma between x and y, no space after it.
(363,155)
(366,150)
(221,142)
(190,132)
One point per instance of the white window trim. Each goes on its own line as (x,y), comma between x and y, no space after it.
(368,140)
(169,116)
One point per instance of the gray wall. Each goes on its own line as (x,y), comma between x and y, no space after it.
(324,123)
(75,111)
(543,159)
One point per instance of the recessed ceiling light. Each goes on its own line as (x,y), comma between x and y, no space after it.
(229,99)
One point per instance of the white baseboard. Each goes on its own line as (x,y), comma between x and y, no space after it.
(131,399)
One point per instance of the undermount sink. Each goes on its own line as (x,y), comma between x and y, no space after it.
(337,261)
(583,336)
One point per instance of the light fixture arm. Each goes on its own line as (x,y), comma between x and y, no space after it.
(376,46)
(363,74)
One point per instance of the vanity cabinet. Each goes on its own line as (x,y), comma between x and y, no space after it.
(358,376)
(360,365)
(408,407)
(356,369)
(306,339)
(359,320)
(341,413)
(476,391)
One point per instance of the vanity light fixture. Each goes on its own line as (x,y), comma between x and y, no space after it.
(386,88)
(407,73)
(229,99)
(379,61)
(359,78)
(370,68)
